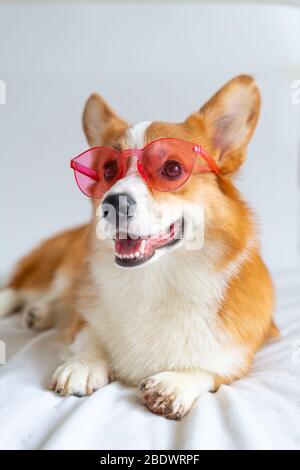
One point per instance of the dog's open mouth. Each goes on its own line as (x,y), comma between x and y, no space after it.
(130,252)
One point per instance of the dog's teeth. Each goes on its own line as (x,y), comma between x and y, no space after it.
(137,254)
(131,256)
(143,246)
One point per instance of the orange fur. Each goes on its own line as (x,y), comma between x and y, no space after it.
(37,269)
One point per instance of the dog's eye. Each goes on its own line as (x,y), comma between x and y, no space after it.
(172,169)
(110,170)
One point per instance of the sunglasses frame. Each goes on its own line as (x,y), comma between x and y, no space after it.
(127,153)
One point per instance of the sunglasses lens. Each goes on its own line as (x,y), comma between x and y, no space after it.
(168,163)
(96,170)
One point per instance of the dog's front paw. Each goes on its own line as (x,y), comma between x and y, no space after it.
(165,395)
(79,377)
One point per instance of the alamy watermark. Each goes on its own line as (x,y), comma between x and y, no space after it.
(160,222)
(2,92)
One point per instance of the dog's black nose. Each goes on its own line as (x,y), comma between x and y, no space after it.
(122,204)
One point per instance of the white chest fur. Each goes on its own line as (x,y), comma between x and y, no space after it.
(162,317)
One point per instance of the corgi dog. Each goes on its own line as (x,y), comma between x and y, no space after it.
(143,307)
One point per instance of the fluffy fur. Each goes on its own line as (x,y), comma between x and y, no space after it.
(184,323)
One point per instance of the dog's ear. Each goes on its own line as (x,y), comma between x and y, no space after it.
(101,124)
(229,120)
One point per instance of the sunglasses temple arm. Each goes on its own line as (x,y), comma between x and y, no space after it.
(209,160)
(84,170)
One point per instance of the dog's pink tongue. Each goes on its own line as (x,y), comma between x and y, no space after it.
(127,246)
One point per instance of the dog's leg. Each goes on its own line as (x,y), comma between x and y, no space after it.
(172,394)
(44,310)
(86,371)
(39,315)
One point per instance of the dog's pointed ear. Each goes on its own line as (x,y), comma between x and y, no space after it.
(101,124)
(229,120)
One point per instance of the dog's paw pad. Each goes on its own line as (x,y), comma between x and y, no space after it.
(79,378)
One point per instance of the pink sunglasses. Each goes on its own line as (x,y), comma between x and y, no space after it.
(165,164)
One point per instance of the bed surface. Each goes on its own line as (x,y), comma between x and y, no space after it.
(261,411)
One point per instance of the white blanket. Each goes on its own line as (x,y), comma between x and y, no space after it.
(261,411)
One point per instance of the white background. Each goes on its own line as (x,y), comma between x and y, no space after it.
(150,60)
